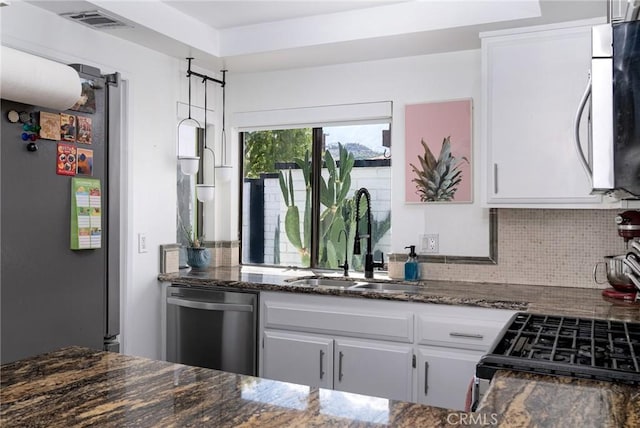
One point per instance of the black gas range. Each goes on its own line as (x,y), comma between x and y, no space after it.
(564,346)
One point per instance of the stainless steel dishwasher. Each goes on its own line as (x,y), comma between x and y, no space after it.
(213,327)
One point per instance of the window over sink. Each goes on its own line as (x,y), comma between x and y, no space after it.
(290,219)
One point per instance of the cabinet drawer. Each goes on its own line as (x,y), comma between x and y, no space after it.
(458,333)
(343,321)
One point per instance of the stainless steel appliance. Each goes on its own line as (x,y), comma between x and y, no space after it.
(613,155)
(213,327)
(623,271)
(563,346)
(52,296)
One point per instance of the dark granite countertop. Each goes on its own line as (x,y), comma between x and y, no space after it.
(580,302)
(524,400)
(78,387)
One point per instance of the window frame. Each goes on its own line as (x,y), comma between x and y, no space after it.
(317,163)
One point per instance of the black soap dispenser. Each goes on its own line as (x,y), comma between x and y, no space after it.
(411,266)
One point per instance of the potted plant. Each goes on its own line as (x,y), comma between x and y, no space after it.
(198,256)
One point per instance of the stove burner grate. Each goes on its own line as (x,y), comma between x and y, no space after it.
(568,346)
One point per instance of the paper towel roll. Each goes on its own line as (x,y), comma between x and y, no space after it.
(30,79)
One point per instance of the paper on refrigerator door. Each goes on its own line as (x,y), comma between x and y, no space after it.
(86,214)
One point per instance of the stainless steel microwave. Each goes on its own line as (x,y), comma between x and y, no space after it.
(611,104)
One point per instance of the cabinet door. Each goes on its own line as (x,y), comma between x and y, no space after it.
(373,368)
(298,358)
(532,85)
(444,375)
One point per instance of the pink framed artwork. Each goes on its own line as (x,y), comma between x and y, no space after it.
(438,152)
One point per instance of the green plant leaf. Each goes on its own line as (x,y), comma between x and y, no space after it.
(348,166)
(330,163)
(283,188)
(346,185)
(337,238)
(331,195)
(332,259)
(292,226)
(343,154)
(293,201)
(326,219)
(324,194)
(307,220)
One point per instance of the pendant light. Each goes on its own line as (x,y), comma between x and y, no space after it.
(206,192)
(188,164)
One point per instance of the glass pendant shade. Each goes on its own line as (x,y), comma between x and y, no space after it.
(205,192)
(223,173)
(189,164)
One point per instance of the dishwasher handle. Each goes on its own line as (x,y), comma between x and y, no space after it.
(209,306)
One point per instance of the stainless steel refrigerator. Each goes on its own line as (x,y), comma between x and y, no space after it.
(52,296)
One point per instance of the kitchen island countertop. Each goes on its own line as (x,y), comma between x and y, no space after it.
(578,302)
(524,399)
(79,387)
(76,387)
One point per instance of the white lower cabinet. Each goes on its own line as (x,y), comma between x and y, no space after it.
(359,366)
(373,368)
(444,375)
(416,352)
(298,358)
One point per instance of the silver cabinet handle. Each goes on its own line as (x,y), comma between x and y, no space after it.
(426,377)
(340,355)
(576,129)
(209,306)
(466,335)
(495,178)
(321,358)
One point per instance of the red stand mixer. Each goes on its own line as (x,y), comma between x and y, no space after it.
(623,271)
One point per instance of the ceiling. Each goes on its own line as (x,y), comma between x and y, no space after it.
(263,35)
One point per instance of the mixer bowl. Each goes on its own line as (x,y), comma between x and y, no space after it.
(616,273)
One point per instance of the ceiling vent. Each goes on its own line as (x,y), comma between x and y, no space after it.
(95,19)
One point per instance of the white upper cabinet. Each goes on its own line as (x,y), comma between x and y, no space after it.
(532,83)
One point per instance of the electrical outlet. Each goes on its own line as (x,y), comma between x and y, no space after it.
(142,242)
(431,243)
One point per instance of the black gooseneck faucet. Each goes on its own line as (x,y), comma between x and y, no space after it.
(369,264)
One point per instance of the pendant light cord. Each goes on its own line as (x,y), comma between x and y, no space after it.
(213,154)
(189,77)
(205,113)
(224,132)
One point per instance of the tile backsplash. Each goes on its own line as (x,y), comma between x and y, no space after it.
(224,253)
(539,246)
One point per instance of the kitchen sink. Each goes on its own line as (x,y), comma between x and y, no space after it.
(327,283)
(355,285)
(383,287)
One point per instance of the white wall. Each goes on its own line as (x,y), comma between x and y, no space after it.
(463,228)
(155,84)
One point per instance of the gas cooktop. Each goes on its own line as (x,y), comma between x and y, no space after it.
(567,346)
